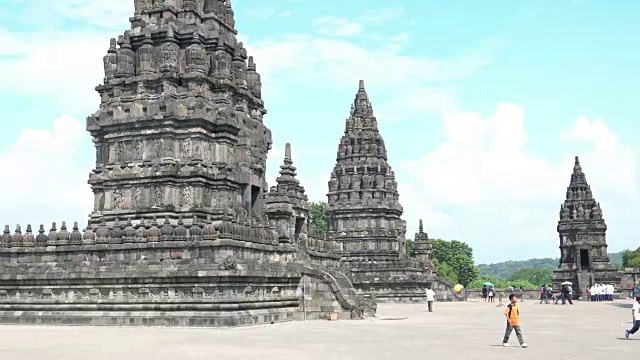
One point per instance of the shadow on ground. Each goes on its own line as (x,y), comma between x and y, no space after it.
(623,305)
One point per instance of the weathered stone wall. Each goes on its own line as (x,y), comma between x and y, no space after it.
(401,281)
(171,275)
(630,277)
(142,276)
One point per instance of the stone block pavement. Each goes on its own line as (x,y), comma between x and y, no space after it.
(471,330)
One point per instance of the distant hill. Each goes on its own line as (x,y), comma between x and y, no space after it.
(503,270)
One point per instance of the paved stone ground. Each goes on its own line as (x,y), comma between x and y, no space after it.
(454,331)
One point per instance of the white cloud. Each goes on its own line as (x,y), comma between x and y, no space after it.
(378,16)
(51,67)
(333,26)
(98,14)
(291,56)
(45,179)
(483,167)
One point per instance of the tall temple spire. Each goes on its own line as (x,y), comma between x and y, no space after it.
(363,192)
(173,47)
(582,231)
(579,202)
(361,110)
(364,212)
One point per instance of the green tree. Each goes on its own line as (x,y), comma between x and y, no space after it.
(318,224)
(504,270)
(446,272)
(501,284)
(458,256)
(408,245)
(533,276)
(631,258)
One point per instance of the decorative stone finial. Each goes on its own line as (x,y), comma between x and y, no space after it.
(577,168)
(41,239)
(287,151)
(420,227)
(361,85)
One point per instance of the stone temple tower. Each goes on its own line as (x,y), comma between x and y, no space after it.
(179,131)
(364,212)
(583,244)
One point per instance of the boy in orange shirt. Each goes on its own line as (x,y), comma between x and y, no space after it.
(513,322)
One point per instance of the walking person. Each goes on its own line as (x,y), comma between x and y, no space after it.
(513,322)
(522,293)
(431,297)
(484,293)
(635,312)
(544,296)
(491,293)
(568,294)
(561,295)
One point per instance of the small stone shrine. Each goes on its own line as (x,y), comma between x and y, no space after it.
(364,212)
(583,245)
(422,248)
(184,231)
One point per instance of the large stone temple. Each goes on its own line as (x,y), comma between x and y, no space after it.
(583,244)
(184,229)
(364,212)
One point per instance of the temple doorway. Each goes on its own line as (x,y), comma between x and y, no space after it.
(584,259)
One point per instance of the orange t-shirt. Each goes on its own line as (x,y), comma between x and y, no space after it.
(513,314)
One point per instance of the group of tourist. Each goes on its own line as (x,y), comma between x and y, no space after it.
(565,294)
(600,292)
(488,293)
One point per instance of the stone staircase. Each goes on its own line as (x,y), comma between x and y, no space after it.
(341,298)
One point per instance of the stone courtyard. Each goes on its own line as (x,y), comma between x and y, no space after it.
(456,330)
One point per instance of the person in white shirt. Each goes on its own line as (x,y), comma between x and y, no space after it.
(611,292)
(636,318)
(431,296)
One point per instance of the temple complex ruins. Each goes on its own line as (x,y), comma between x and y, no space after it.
(583,245)
(184,229)
(364,212)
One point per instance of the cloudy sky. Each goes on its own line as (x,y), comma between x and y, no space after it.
(483,106)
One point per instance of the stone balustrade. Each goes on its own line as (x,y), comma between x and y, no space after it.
(145,232)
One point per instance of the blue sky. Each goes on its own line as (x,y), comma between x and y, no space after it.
(482,106)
